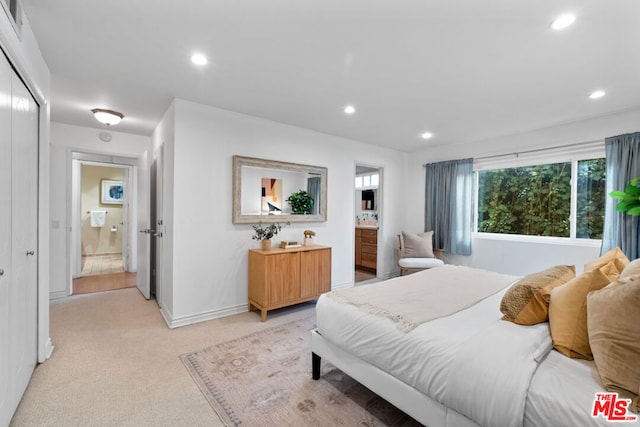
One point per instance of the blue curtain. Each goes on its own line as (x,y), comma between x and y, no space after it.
(449,205)
(313,188)
(623,165)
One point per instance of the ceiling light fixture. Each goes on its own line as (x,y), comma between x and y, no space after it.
(199,59)
(349,109)
(108,117)
(597,94)
(563,21)
(426,135)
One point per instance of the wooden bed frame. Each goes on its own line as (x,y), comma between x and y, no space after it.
(404,397)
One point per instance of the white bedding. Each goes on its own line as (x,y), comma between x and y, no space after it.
(471,361)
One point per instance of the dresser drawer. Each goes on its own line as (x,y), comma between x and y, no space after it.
(369,234)
(369,249)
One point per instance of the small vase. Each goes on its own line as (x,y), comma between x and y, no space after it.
(308,241)
(266,244)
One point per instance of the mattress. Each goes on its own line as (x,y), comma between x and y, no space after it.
(561,391)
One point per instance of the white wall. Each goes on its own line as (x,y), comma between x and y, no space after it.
(508,256)
(64,140)
(209,277)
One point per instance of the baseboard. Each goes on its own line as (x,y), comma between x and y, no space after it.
(346,285)
(48,350)
(58,294)
(202,317)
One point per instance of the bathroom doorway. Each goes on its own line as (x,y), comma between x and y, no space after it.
(101,205)
(368,221)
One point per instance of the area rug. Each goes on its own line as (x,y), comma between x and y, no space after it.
(264,379)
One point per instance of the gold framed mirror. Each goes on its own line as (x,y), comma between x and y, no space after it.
(272,191)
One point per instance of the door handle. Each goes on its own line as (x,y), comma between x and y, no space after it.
(30,253)
(148,231)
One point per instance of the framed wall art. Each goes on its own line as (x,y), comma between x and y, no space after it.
(111,192)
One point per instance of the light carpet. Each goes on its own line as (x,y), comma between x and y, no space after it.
(264,379)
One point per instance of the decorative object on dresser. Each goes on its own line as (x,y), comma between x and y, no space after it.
(264,233)
(308,237)
(283,277)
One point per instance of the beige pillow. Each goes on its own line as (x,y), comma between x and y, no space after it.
(616,255)
(417,245)
(527,302)
(568,311)
(613,321)
(632,269)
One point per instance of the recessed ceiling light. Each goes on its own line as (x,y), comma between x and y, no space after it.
(426,135)
(563,21)
(597,94)
(199,59)
(108,117)
(349,109)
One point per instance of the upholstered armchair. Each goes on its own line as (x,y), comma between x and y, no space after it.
(415,252)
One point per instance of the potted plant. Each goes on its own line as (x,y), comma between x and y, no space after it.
(264,233)
(301,202)
(629,198)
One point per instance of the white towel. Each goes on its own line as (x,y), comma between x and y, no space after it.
(98,218)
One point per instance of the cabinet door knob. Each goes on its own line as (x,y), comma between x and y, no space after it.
(1,272)
(30,253)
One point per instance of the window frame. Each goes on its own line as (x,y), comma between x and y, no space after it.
(587,151)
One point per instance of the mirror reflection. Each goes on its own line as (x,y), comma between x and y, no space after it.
(272,191)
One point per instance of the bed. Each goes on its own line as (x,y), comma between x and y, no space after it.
(447,359)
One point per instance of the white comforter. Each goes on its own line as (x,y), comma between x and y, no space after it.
(470,361)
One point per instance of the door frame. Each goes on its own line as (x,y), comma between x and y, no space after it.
(380,211)
(77,159)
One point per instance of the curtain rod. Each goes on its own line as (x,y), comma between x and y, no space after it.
(537,150)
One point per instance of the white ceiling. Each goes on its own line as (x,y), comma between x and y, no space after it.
(466,70)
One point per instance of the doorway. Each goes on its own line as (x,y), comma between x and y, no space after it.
(368,209)
(102,197)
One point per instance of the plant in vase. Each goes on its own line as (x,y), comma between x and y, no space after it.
(629,198)
(301,202)
(264,233)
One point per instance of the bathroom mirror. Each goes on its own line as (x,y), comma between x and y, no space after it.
(261,188)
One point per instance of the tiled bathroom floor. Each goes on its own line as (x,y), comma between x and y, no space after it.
(94,265)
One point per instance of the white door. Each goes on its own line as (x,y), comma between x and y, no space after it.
(24,230)
(129,197)
(144,236)
(19,283)
(159,227)
(8,396)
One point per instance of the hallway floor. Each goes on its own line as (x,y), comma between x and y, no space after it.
(104,282)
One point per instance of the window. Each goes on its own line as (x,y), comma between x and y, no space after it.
(372,180)
(537,200)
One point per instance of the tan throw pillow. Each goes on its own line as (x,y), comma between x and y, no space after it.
(613,321)
(632,269)
(417,245)
(527,302)
(616,255)
(568,311)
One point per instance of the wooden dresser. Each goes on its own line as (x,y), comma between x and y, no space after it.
(366,248)
(283,277)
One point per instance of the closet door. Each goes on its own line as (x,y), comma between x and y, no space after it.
(7,398)
(24,233)
(18,238)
